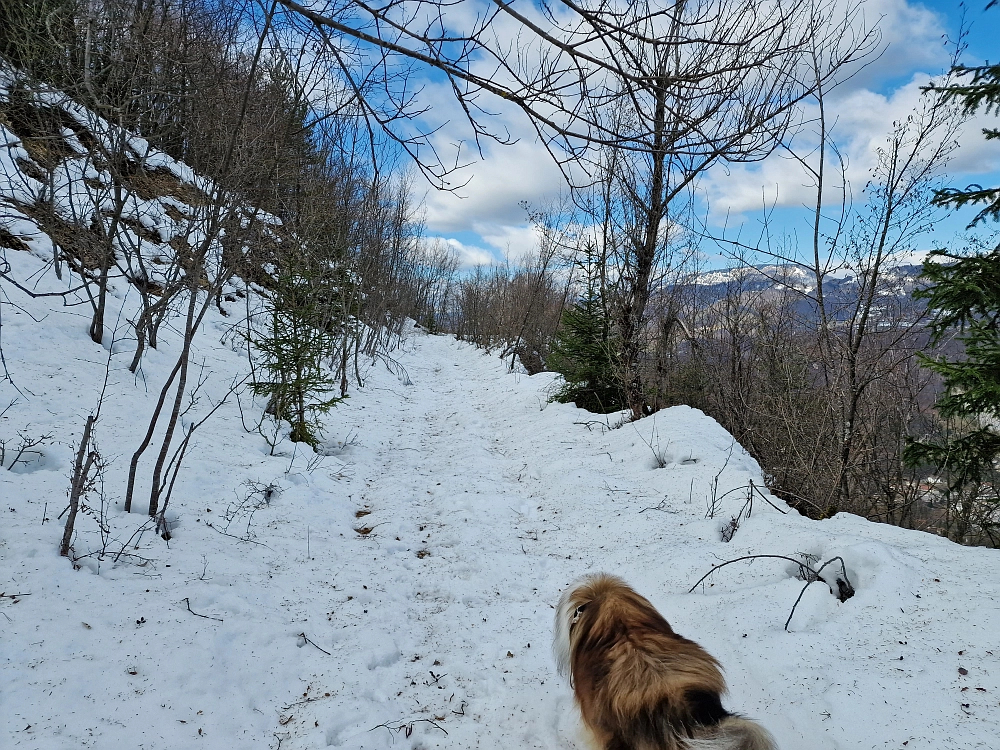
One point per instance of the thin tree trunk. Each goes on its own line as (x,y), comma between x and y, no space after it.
(80,471)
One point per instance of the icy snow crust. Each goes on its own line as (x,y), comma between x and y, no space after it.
(398,592)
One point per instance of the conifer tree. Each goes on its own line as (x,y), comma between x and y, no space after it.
(292,349)
(584,353)
(963,296)
(977,87)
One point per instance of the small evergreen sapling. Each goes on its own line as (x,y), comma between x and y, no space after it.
(584,352)
(292,350)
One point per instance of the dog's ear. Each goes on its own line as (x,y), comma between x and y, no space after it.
(574,601)
(564,621)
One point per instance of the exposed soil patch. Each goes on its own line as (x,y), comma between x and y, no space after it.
(175,213)
(12,241)
(32,170)
(141,231)
(152,288)
(82,243)
(152,184)
(40,128)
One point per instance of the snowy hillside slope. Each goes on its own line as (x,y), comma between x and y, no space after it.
(61,196)
(398,591)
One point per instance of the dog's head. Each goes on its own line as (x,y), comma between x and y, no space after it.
(572,611)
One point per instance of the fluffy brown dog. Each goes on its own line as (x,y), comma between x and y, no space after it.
(640,686)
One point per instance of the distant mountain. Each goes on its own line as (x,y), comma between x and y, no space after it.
(840,290)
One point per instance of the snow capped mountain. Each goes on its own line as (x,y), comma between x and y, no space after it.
(900,280)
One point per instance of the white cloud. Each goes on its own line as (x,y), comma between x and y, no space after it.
(864,109)
(497,186)
(468,255)
(501,242)
(515,242)
(914,36)
(862,120)
(492,190)
(976,156)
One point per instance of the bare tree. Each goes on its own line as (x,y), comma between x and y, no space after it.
(645,97)
(430,285)
(79,483)
(852,321)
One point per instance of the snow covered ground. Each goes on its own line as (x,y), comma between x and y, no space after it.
(399,592)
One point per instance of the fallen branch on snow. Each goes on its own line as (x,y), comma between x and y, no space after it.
(207,617)
(845,589)
(407,726)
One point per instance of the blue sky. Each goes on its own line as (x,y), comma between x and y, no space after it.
(485,222)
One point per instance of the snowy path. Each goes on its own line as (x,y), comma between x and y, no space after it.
(481,513)
(457,597)
(440,625)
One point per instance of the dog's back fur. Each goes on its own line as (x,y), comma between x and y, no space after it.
(639,685)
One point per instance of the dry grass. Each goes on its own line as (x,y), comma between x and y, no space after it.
(40,129)
(11,241)
(152,184)
(84,244)
(140,231)
(175,213)
(32,170)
